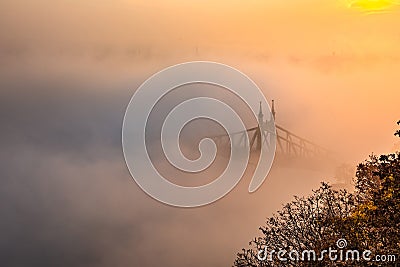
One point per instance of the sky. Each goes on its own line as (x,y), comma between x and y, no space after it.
(69,69)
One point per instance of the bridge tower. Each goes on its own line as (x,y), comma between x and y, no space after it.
(260,116)
(273,109)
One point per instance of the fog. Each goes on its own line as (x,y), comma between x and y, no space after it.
(69,70)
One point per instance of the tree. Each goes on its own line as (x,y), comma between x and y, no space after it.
(369,219)
(302,225)
(374,221)
(377,214)
(378,190)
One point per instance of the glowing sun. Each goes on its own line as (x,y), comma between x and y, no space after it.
(373,6)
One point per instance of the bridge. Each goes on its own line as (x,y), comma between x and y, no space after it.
(288,144)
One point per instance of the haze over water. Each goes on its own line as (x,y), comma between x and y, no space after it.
(69,69)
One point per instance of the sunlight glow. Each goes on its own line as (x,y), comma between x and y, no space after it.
(373,6)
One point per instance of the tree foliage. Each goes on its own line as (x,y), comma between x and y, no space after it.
(398,131)
(376,218)
(303,224)
(368,219)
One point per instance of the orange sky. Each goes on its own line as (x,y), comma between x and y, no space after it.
(320,58)
(333,71)
(280,27)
